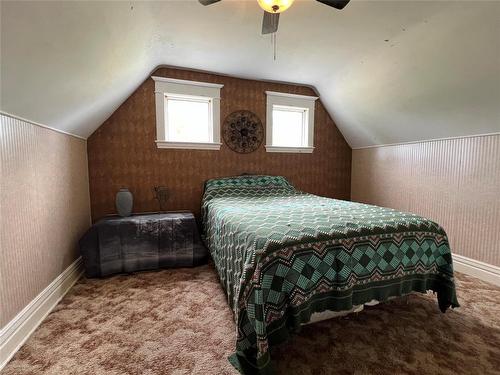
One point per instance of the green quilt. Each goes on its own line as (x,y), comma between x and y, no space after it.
(282,254)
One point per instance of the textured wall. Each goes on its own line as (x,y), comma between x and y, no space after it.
(44,209)
(122,152)
(455,182)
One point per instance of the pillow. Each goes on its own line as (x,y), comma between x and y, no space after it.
(248,181)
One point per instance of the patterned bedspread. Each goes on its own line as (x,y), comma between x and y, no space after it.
(282,254)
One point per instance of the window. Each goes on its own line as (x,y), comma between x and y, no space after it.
(188,119)
(289,126)
(290,122)
(187,114)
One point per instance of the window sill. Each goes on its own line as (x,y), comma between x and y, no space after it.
(188,145)
(299,150)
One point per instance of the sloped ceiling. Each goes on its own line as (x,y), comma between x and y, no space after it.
(387,72)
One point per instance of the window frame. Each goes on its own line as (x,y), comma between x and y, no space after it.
(189,90)
(285,100)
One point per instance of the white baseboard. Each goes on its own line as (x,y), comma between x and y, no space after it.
(484,271)
(19,329)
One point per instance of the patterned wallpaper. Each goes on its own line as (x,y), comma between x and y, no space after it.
(455,182)
(122,152)
(44,209)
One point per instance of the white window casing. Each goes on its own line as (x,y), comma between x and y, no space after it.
(292,102)
(170,88)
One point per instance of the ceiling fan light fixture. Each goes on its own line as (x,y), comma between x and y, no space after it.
(275,6)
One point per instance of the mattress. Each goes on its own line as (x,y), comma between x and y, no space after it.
(283,255)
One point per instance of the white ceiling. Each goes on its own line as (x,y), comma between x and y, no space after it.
(70,64)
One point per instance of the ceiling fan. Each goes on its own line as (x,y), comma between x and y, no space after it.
(273,8)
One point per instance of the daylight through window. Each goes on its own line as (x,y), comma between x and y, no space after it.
(187,114)
(188,119)
(290,122)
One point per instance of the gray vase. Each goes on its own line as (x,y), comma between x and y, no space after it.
(124,202)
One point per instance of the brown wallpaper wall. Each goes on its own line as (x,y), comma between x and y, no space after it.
(122,152)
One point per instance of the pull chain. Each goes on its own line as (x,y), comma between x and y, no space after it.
(275,42)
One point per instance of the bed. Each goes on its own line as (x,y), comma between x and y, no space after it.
(283,255)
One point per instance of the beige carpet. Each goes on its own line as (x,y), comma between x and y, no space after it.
(178,322)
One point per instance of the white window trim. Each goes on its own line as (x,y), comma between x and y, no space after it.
(177,88)
(188,145)
(290,100)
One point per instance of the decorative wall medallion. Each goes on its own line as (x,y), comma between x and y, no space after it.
(243,131)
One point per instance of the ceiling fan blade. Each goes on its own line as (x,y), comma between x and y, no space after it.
(270,22)
(208,2)
(337,4)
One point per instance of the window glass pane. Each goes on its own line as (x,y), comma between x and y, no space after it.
(188,120)
(289,127)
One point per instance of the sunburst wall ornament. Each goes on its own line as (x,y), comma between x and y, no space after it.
(243,131)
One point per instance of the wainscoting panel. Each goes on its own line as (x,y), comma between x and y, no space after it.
(455,182)
(44,209)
